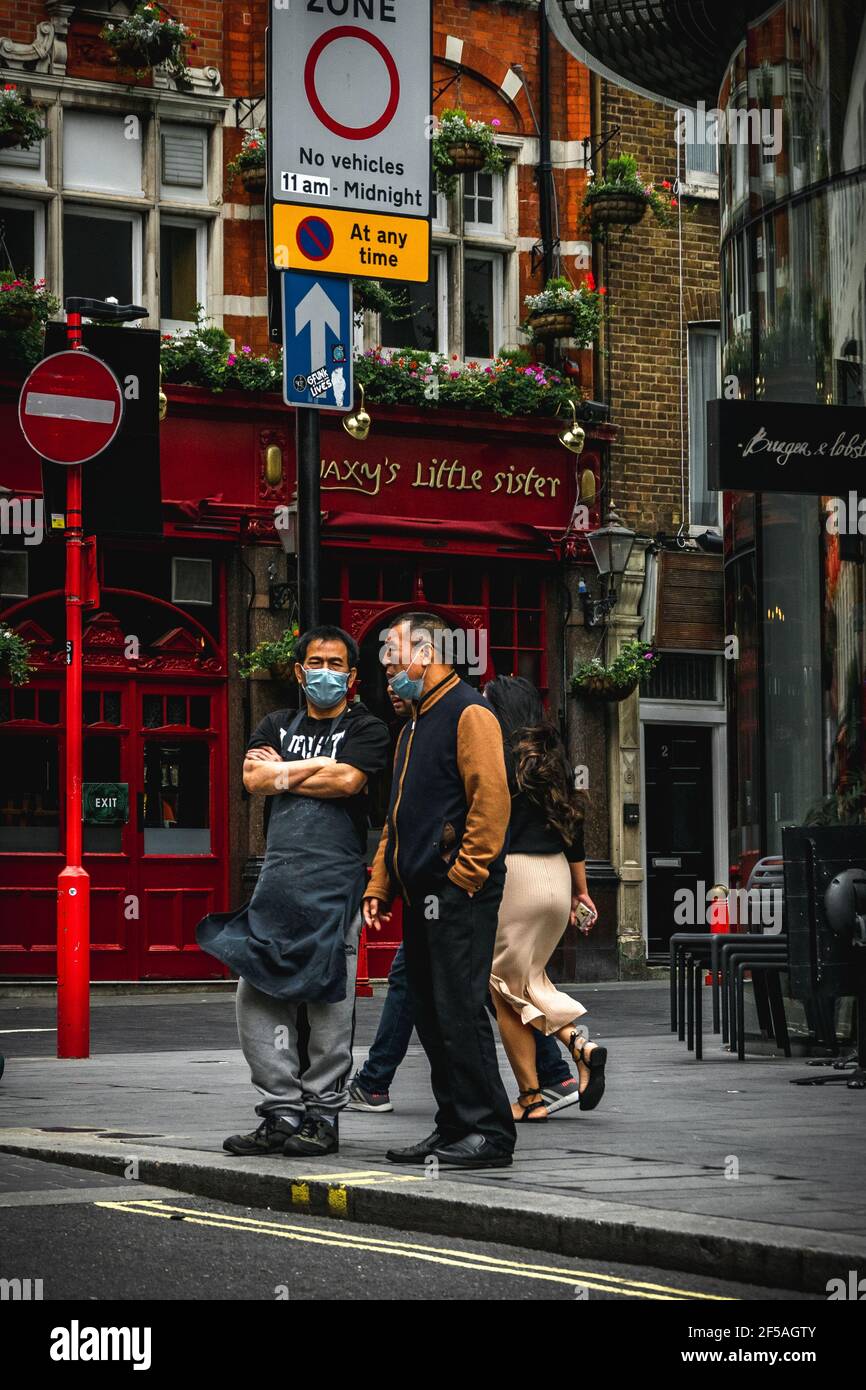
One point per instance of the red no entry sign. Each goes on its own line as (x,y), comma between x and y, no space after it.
(70,407)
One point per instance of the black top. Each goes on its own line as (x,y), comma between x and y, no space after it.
(360,739)
(529,833)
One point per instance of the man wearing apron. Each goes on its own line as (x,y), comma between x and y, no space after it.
(296,941)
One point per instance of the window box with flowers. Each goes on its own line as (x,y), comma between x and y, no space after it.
(249,164)
(563,311)
(20,126)
(14,657)
(594,681)
(461,145)
(24,302)
(621,198)
(147,37)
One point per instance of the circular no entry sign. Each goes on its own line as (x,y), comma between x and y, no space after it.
(70,407)
(319,105)
(315,238)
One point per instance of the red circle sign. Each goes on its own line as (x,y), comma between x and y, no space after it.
(348,132)
(70,407)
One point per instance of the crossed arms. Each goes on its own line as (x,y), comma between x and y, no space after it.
(265,774)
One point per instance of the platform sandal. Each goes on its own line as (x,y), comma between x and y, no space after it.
(595,1062)
(532,1105)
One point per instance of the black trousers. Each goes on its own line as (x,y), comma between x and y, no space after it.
(448,941)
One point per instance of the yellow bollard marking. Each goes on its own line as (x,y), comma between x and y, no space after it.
(300,1194)
(338,1199)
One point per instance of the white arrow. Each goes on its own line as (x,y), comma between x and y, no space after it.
(318,311)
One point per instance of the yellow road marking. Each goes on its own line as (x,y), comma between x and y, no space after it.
(345,1238)
(362,1175)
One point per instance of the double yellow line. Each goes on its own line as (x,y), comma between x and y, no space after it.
(342,1237)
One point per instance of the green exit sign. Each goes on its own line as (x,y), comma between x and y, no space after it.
(106,803)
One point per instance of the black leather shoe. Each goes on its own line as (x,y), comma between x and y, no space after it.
(472,1152)
(416,1153)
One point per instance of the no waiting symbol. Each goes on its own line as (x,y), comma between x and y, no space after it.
(315,238)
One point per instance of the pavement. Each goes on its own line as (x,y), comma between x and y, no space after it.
(713,1166)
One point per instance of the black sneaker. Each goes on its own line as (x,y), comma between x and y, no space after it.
(269,1138)
(315,1138)
(379,1102)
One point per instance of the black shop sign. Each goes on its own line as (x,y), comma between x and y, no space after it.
(755,446)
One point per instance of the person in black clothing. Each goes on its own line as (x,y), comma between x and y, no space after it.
(296,941)
(544,888)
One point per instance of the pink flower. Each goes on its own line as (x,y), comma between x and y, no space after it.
(496,123)
(247,351)
(454,375)
(231,359)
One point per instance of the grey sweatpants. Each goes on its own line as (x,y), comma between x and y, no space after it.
(268,1032)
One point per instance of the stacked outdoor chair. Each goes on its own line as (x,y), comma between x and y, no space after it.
(729,957)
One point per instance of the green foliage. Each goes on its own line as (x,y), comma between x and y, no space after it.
(19,292)
(18,117)
(455,127)
(427,380)
(15,656)
(279,651)
(203,357)
(379,299)
(636,661)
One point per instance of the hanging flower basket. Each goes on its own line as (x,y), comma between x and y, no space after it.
(16,320)
(276,656)
(618,209)
(594,681)
(462,145)
(23,302)
(562,310)
(14,657)
(466,158)
(551,325)
(147,37)
(604,688)
(19,123)
(254,180)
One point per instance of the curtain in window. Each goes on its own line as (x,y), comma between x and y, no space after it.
(704,385)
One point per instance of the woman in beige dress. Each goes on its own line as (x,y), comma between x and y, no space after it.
(544,888)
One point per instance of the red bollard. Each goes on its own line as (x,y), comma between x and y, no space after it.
(720,924)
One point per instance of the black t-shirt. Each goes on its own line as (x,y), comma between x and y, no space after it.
(359,739)
(529,833)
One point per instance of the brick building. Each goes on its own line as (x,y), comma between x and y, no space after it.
(142,209)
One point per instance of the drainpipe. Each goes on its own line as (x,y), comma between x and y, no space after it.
(545,165)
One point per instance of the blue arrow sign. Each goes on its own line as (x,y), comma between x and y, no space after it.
(317,341)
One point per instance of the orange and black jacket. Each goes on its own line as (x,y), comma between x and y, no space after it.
(450,802)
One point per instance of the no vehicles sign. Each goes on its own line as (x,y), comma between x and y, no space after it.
(349,101)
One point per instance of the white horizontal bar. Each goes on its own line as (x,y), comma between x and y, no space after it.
(71,408)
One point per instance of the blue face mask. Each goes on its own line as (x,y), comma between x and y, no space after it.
(325,688)
(404,687)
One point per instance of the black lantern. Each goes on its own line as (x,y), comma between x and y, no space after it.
(611,548)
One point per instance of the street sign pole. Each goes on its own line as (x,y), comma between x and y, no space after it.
(309,454)
(73,883)
(70,410)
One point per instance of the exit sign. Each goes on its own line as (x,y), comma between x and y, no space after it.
(106,803)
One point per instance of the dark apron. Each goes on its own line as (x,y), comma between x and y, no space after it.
(289,940)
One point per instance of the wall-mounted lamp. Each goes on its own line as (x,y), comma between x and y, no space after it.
(611,548)
(574,437)
(358,424)
(273,465)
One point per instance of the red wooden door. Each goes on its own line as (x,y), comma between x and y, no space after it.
(179,824)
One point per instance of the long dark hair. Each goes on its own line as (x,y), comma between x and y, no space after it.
(535,756)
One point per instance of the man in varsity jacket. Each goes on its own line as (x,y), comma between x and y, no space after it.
(443,851)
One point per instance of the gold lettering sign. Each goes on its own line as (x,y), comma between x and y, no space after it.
(445,475)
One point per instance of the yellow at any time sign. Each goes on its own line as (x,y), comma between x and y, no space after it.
(361,245)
